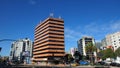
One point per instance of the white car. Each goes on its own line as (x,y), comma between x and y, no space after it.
(117,61)
(108,62)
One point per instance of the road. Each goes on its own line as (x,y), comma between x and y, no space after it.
(53,66)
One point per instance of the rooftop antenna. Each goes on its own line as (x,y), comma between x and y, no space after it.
(51,14)
(40,21)
(59,17)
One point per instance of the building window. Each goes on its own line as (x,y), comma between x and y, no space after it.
(113,35)
(114,43)
(27,42)
(119,39)
(11,53)
(12,46)
(24,46)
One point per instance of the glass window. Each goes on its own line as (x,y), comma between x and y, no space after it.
(12,46)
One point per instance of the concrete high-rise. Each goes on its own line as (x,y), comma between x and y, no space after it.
(49,40)
(20,49)
(112,40)
(83,42)
(72,51)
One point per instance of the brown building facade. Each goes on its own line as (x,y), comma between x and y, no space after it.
(49,40)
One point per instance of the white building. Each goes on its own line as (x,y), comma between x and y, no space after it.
(83,42)
(103,42)
(20,49)
(72,51)
(112,40)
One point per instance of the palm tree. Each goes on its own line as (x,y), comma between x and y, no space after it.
(90,49)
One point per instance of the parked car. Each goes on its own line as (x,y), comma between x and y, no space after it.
(113,64)
(118,65)
(101,62)
(108,62)
(75,64)
(84,62)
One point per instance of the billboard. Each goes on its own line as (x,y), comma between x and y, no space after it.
(26,53)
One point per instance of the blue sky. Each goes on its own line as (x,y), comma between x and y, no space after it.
(96,18)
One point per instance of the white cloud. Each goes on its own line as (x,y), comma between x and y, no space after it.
(115,26)
(92,27)
(98,31)
(106,27)
(71,34)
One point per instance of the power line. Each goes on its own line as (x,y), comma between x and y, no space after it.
(7,40)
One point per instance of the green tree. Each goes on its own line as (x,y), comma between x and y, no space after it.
(68,58)
(101,54)
(108,53)
(117,52)
(90,48)
(77,56)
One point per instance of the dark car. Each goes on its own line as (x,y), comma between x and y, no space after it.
(113,64)
(118,65)
(101,62)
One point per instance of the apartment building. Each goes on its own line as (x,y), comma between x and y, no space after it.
(112,40)
(72,51)
(20,49)
(49,40)
(83,42)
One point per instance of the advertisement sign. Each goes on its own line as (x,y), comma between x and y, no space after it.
(26,53)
